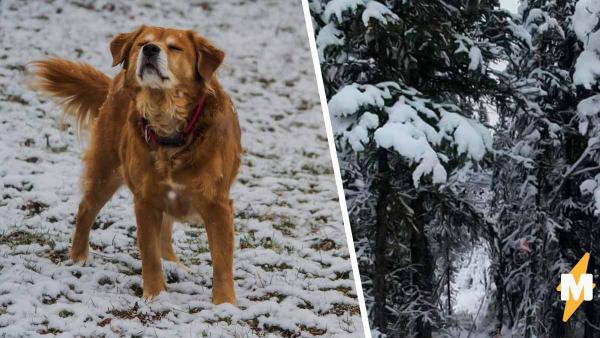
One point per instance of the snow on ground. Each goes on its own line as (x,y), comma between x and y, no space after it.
(292,269)
(472,295)
(471,281)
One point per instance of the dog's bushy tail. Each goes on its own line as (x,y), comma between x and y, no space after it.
(78,87)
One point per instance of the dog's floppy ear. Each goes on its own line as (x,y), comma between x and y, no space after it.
(121,45)
(209,57)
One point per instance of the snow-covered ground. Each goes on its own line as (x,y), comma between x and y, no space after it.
(472,295)
(292,269)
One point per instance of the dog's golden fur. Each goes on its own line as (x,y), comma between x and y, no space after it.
(182,183)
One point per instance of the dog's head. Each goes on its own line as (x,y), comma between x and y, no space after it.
(166,67)
(158,57)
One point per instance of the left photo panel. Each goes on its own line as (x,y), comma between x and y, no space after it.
(165,172)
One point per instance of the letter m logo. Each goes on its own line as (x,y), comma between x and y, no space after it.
(571,289)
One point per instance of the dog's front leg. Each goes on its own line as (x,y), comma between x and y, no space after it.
(218,219)
(149,220)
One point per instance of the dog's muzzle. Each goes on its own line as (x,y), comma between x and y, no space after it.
(151,51)
(149,62)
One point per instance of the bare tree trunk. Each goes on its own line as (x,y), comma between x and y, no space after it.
(448,276)
(379,282)
(421,259)
(499,281)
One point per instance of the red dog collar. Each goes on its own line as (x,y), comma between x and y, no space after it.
(172,141)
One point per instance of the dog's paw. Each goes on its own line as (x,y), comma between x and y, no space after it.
(162,297)
(151,292)
(78,257)
(221,296)
(152,295)
(225,300)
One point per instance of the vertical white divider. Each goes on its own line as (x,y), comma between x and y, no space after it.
(336,169)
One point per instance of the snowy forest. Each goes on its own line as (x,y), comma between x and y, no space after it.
(468,138)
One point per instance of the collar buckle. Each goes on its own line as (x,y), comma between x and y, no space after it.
(147,133)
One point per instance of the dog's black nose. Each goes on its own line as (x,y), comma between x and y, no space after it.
(151,50)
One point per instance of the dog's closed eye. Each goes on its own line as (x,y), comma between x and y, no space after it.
(174,47)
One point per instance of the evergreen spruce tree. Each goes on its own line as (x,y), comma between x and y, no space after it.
(406,82)
(544,222)
(525,235)
(579,191)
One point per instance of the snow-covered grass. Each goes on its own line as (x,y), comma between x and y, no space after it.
(292,269)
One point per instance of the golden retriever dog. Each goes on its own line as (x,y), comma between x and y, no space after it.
(163,126)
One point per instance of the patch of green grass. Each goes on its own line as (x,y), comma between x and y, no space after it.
(48,300)
(65,314)
(31,266)
(34,207)
(48,330)
(56,256)
(339,309)
(129,270)
(134,312)
(343,289)
(4,308)
(102,224)
(105,281)
(24,186)
(279,331)
(270,295)
(195,240)
(315,331)
(247,241)
(314,169)
(324,245)
(16,99)
(138,291)
(285,225)
(342,275)
(96,246)
(172,276)
(266,217)
(271,268)
(269,243)
(20,237)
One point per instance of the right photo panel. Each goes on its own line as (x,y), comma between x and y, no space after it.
(468,137)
